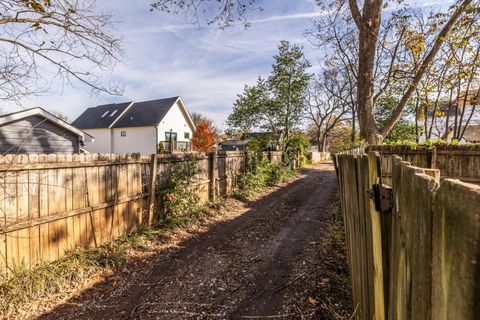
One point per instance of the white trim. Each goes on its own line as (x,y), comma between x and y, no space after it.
(47,115)
(186,114)
(120,115)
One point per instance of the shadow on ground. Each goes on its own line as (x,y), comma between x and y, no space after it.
(244,267)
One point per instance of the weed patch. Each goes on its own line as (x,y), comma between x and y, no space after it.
(261,174)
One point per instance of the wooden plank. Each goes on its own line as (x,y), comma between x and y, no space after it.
(363,235)
(55,201)
(12,246)
(22,196)
(101,185)
(3,254)
(10,199)
(33,190)
(23,243)
(374,236)
(35,255)
(151,190)
(98,224)
(43,192)
(54,229)
(44,242)
(79,188)
(456,250)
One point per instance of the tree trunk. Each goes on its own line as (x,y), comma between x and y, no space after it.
(354,117)
(368,25)
(366,110)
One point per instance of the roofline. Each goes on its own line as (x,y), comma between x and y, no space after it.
(121,114)
(189,119)
(40,111)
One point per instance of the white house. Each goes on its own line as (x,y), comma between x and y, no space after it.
(138,126)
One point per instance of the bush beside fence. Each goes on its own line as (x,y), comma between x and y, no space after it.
(418,260)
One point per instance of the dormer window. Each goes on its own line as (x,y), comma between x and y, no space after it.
(103,115)
(113,113)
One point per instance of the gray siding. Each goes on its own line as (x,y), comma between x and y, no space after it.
(34,134)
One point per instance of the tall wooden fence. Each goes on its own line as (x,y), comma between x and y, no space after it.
(418,259)
(50,204)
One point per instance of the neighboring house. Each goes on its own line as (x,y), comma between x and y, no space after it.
(38,131)
(467,102)
(138,126)
(233,145)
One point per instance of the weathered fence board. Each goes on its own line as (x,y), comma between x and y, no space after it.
(363,234)
(456,252)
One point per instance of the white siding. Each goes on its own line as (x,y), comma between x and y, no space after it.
(174,121)
(137,139)
(101,141)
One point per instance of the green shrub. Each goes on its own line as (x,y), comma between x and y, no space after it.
(260,174)
(279,174)
(180,199)
(303,160)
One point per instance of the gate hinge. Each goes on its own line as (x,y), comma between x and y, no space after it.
(382,196)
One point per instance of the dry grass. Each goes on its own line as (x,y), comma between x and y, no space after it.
(21,289)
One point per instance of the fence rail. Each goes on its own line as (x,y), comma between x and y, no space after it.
(50,204)
(419,258)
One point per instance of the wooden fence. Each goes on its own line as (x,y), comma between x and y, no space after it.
(419,258)
(50,204)
(454,162)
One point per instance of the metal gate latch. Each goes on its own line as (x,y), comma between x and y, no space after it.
(382,196)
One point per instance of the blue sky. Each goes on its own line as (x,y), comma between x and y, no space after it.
(206,66)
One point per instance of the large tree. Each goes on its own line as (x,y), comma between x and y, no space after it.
(367,15)
(43,40)
(368,20)
(275,104)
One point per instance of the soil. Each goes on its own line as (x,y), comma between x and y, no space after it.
(281,256)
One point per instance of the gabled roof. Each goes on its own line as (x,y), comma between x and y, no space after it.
(146,113)
(130,114)
(100,116)
(10,117)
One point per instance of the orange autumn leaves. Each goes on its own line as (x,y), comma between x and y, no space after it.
(204,137)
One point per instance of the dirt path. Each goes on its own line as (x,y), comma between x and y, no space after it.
(254,266)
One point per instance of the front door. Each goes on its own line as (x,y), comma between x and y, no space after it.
(170,136)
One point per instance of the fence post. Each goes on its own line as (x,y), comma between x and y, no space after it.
(151,189)
(213,177)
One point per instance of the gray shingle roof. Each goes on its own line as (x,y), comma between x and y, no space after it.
(92,117)
(146,113)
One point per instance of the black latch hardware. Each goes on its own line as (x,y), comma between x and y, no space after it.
(382,196)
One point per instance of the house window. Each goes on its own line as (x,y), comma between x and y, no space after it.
(103,115)
(170,136)
(123,133)
(186,135)
(113,113)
